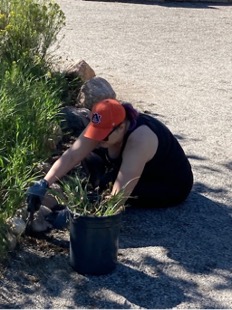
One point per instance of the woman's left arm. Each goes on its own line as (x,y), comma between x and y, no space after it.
(141,146)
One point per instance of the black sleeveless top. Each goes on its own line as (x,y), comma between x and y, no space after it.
(169,165)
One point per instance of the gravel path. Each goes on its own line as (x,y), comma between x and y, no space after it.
(174,60)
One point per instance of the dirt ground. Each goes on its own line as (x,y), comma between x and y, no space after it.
(174,60)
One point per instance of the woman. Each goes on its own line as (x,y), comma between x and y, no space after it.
(133,150)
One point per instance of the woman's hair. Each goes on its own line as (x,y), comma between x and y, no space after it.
(131,114)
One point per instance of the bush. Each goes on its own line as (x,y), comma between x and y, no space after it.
(28,28)
(28,111)
(29,97)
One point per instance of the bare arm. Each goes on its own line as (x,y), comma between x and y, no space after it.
(140,148)
(70,158)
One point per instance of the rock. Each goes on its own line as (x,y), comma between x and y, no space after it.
(22,213)
(74,120)
(81,70)
(93,91)
(16,225)
(75,76)
(39,224)
(11,241)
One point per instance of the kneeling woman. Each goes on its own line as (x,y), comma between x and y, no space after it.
(140,152)
(134,151)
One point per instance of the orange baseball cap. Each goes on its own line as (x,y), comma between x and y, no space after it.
(105,116)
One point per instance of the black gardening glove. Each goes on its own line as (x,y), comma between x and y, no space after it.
(35,195)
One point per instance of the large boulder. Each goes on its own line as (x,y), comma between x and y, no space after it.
(75,76)
(93,91)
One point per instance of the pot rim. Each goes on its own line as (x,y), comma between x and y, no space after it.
(74,214)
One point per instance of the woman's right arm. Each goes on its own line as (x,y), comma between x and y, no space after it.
(70,158)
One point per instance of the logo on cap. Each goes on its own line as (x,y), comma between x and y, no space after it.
(96,118)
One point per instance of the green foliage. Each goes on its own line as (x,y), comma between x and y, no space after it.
(28,28)
(29,97)
(70,86)
(28,110)
(81,200)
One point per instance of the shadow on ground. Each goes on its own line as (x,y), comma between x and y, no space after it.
(174,4)
(196,237)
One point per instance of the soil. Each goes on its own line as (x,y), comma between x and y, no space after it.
(172,59)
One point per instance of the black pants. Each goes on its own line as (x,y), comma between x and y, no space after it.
(155,193)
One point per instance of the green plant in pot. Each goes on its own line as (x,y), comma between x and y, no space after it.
(95,222)
(82,200)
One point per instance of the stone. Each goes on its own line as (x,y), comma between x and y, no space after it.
(17,225)
(39,223)
(81,70)
(93,91)
(74,120)
(11,241)
(22,213)
(75,76)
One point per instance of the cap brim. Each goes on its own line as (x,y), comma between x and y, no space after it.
(97,134)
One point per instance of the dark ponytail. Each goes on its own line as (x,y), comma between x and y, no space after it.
(131,114)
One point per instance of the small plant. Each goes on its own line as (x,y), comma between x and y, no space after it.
(82,200)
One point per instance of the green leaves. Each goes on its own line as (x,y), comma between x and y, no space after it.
(80,199)
(30,96)
(28,28)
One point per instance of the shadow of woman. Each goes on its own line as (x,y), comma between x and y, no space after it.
(196,236)
(197,233)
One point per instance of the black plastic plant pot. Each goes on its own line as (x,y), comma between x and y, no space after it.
(94,243)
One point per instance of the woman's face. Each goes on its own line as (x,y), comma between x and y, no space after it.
(114,137)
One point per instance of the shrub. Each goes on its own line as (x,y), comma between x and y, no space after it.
(28,28)
(29,97)
(27,117)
